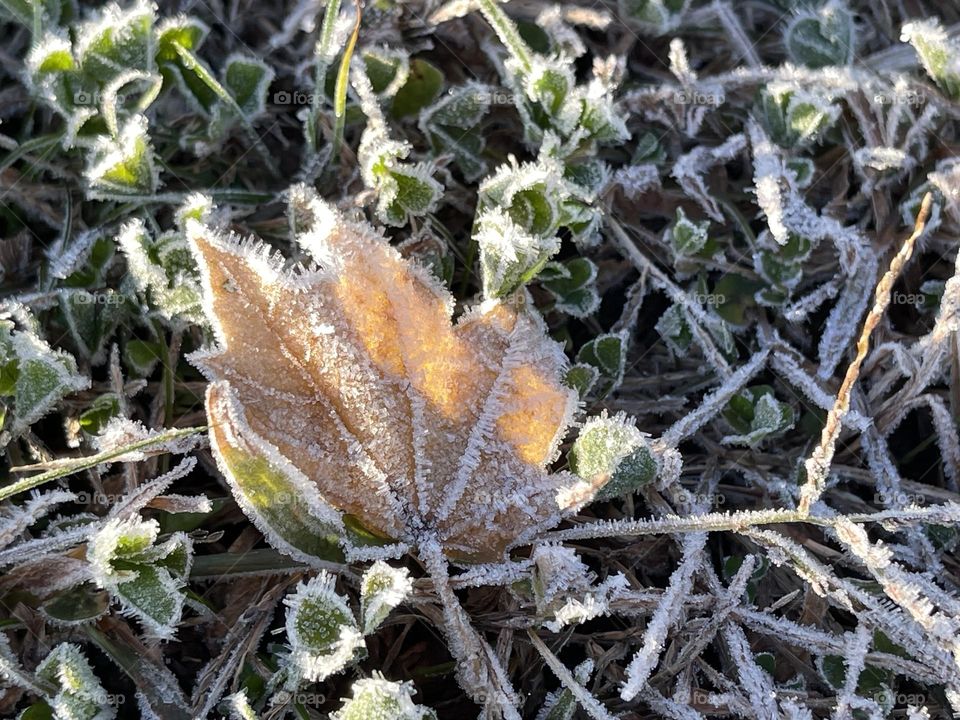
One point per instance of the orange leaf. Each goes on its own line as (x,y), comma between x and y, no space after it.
(351,380)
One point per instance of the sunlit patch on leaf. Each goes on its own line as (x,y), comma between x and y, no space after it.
(124,165)
(117,41)
(938,52)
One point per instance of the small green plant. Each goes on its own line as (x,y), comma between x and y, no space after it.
(104,80)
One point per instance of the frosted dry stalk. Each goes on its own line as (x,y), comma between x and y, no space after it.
(818,465)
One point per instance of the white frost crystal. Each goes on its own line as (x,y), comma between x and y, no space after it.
(564,587)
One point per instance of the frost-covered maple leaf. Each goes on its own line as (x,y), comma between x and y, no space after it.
(342,393)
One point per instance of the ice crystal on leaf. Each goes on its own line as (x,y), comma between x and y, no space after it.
(938,53)
(33,378)
(161,267)
(342,398)
(403,189)
(79,696)
(322,630)
(144,575)
(381,590)
(613,447)
(821,36)
(565,590)
(379,699)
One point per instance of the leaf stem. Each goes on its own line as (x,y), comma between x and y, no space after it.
(744,520)
(507,31)
(227,195)
(322,54)
(343,79)
(76,465)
